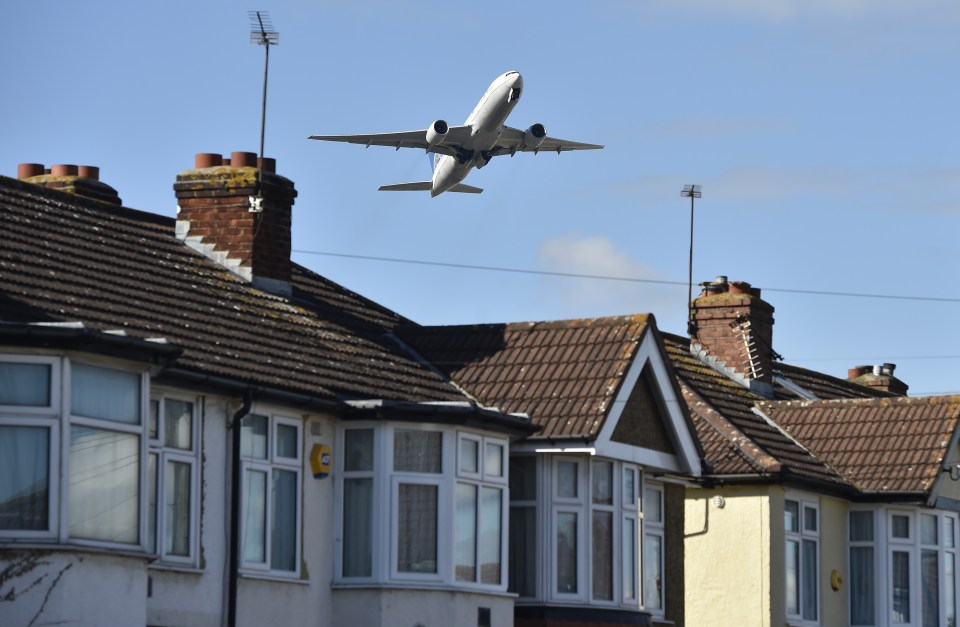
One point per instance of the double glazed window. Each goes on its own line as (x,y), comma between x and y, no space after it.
(172,479)
(903,567)
(802,530)
(653,549)
(270,457)
(99,412)
(422,504)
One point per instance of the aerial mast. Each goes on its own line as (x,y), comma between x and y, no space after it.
(263,34)
(690,191)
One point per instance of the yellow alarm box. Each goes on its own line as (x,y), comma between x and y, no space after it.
(320,460)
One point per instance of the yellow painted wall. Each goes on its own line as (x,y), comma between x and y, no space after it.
(728,559)
(834,608)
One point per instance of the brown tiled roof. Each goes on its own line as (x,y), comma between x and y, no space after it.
(888,445)
(736,440)
(67,258)
(822,385)
(564,374)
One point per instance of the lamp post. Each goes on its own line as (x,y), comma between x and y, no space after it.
(692,192)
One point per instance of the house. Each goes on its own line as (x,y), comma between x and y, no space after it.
(596,495)
(827,501)
(196,431)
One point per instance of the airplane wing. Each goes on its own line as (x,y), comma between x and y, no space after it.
(511,141)
(454,138)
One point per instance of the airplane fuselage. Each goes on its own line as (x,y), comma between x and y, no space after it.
(486,124)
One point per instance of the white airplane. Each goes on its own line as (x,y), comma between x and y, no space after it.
(455,150)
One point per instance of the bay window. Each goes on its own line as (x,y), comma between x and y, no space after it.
(653,549)
(863,587)
(441,517)
(270,457)
(523,526)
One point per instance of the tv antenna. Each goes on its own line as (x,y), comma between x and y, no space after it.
(263,34)
(690,191)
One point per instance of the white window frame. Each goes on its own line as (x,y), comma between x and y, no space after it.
(484,478)
(569,505)
(190,457)
(273,463)
(872,544)
(800,536)
(653,529)
(613,510)
(40,416)
(139,430)
(529,505)
(631,513)
(377,507)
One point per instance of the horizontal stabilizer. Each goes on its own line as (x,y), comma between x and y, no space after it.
(426,186)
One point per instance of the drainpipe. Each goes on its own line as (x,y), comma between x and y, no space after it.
(234,549)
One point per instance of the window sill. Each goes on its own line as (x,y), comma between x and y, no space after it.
(395,585)
(274,578)
(176,568)
(57,547)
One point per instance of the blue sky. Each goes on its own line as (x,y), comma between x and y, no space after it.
(824,134)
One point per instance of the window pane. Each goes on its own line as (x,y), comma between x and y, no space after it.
(358,449)
(900,526)
(793,577)
(491,500)
(253,436)
(602,483)
(949,532)
(603,555)
(901,586)
(567,552)
(791,516)
(417,528)
(810,580)
(177,511)
(24,478)
(357,527)
(105,393)
(104,492)
(523,478)
(928,529)
(523,550)
(652,572)
(653,506)
(283,532)
(629,488)
(469,456)
(861,526)
(810,519)
(629,550)
(465,563)
(567,480)
(154,419)
(255,517)
(177,424)
(417,451)
(287,441)
(152,461)
(930,587)
(25,384)
(493,463)
(862,590)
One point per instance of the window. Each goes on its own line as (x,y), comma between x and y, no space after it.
(173,447)
(442,516)
(862,569)
(568,510)
(801,526)
(523,526)
(628,546)
(270,456)
(653,549)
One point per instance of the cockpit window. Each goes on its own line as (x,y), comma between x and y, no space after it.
(514,94)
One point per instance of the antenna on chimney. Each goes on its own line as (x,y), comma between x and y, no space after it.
(691,191)
(262,34)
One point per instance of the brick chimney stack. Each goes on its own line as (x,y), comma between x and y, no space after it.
(879,378)
(217,217)
(81,180)
(733,327)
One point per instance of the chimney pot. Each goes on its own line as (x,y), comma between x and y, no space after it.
(857,371)
(721,279)
(207,160)
(243,159)
(268,164)
(26,170)
(64,169)
(89,171)
(878,370)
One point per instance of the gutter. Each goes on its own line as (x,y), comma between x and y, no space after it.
(234,548)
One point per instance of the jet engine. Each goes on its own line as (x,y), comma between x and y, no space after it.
(436,133)
(534,136)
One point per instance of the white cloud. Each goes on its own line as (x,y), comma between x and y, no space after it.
(594,257)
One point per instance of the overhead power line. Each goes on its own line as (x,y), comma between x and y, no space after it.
(600,277)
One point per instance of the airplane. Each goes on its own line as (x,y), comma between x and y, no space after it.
(455,150)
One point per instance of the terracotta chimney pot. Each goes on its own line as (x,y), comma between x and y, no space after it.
(243,159)
(64,169)
(26,170)
(207,160)
(89,171)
